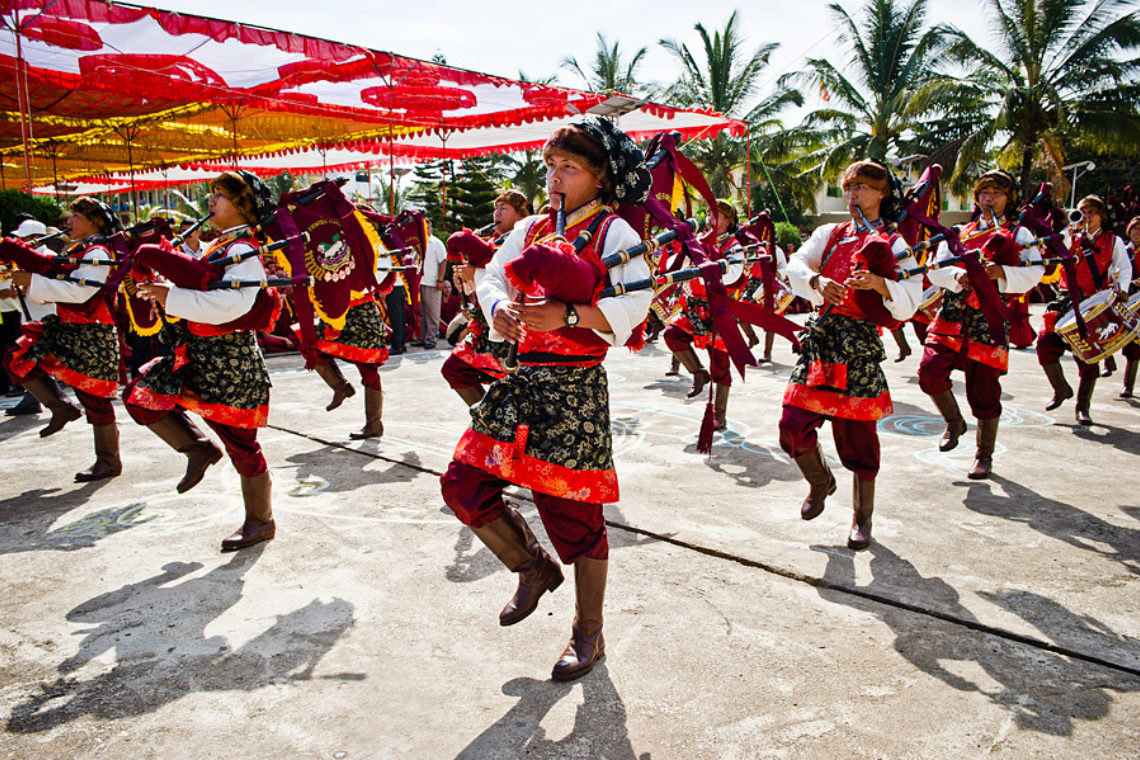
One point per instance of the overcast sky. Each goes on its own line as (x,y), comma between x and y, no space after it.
(505,37)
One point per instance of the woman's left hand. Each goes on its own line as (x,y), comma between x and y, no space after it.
(862,280)
(154,292)
(543,316)
(21,280)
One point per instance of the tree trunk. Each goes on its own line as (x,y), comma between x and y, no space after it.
(1026,165)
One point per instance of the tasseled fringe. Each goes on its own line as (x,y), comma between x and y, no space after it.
(705,437)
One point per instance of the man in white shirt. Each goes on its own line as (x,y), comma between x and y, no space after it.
(431,283)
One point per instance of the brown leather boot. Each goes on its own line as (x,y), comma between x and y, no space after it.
(863,501)
(1084,398)
(720,406)
(587,645)
(107,464)
(691,363)
(47,393)
(983,459)
(1129,378)
(955,424)
(1109,367)
(373,413)
(257,492)
(674,367)
(749,333)
(819,477)
(511,540)
(180,434)
(471,395)
(1061,388)
(333,377)
(769,341)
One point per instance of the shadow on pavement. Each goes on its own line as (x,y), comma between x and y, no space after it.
(599,724)
(32,513)
(1119,438)
(1041,690)
(1055,519)
(156,628)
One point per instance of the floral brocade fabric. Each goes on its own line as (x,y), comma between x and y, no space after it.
(566,410)
(546,428)
(80,351)
(362,336)
(838,372)
(225,373)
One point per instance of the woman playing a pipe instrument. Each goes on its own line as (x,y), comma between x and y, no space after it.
(837,376)
(79,344)
(959,337)
(547,427)
(1101,262)
(1132,350)
(693,325)
(476,360)
(216,369)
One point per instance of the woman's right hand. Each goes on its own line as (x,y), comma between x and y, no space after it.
(507,322)
(832,291)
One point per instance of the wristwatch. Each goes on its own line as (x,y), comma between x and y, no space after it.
(571,318)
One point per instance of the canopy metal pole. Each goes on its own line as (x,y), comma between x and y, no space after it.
(24,101)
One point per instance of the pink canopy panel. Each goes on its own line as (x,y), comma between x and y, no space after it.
(104,91)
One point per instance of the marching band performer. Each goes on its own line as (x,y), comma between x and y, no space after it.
(476,359)
(1132,350)
(837,376)
(360,342)
(547,428)
(753,291)
(79,344)
(693,325)
(959,337)
(216,369)
(1101,262)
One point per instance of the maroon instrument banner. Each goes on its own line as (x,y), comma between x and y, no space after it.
(338,251)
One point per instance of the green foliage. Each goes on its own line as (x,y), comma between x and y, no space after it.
(1059,74)
(471,201)
(427,193)
(609,72)
(787,235)
(15,202)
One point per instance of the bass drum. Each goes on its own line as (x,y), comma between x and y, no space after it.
(1111,326)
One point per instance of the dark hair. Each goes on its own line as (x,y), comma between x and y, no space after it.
(95,211)
(1101,208)
(1001,181)
(238,193)
(517,201)
(577,142)
(729,211)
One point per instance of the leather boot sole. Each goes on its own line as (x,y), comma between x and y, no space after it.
(339,395)
(247,536)
(1083,418)
(859,538)
(367,433)
(100,471)
(700,380)
(981,469)
(60,417)
(810,511)
(521,613)
(1058,400)
(196,470)
(954,431)
(570,673)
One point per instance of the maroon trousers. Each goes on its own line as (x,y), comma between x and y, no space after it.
(1051,347)
(576,528)
(460,374)
(983,382)
(719,369)
(856,440)
(241,443)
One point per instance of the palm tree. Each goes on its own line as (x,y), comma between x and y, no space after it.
(893,95)
(609,73)
(726,82)
(1058,75)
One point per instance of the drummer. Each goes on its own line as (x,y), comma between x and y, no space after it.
(1101,262)
(958,338)
(1132,350)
